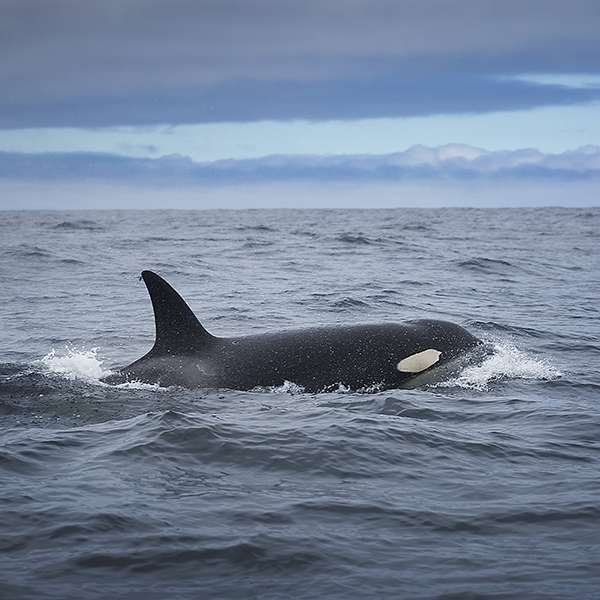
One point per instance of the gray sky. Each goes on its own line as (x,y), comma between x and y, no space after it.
(102,91)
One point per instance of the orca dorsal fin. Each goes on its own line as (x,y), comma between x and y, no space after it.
(178,331)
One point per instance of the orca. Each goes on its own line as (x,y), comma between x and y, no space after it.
(353,357)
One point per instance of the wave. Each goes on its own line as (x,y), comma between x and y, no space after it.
(488,266)
(79,225)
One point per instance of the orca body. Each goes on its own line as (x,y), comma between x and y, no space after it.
(317,359)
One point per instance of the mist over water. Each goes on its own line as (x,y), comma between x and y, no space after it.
(482,484)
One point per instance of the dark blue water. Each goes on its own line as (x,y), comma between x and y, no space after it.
(484,485)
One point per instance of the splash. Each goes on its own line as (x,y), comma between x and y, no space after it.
(505,362)
(75,364)
(288,387)
(139,385)
(78,365)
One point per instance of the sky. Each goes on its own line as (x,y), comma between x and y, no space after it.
(299,103)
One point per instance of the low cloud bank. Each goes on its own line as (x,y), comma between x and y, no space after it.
(419,163)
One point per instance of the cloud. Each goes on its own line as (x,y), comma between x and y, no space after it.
(117,62)
(452,162)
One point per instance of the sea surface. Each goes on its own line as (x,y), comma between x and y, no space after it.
(483,485)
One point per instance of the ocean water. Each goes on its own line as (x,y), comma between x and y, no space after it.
(485,484)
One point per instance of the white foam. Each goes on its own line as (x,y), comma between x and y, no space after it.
(75,364)
(140,385)
(288,387)
(84,365)
(505,362)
